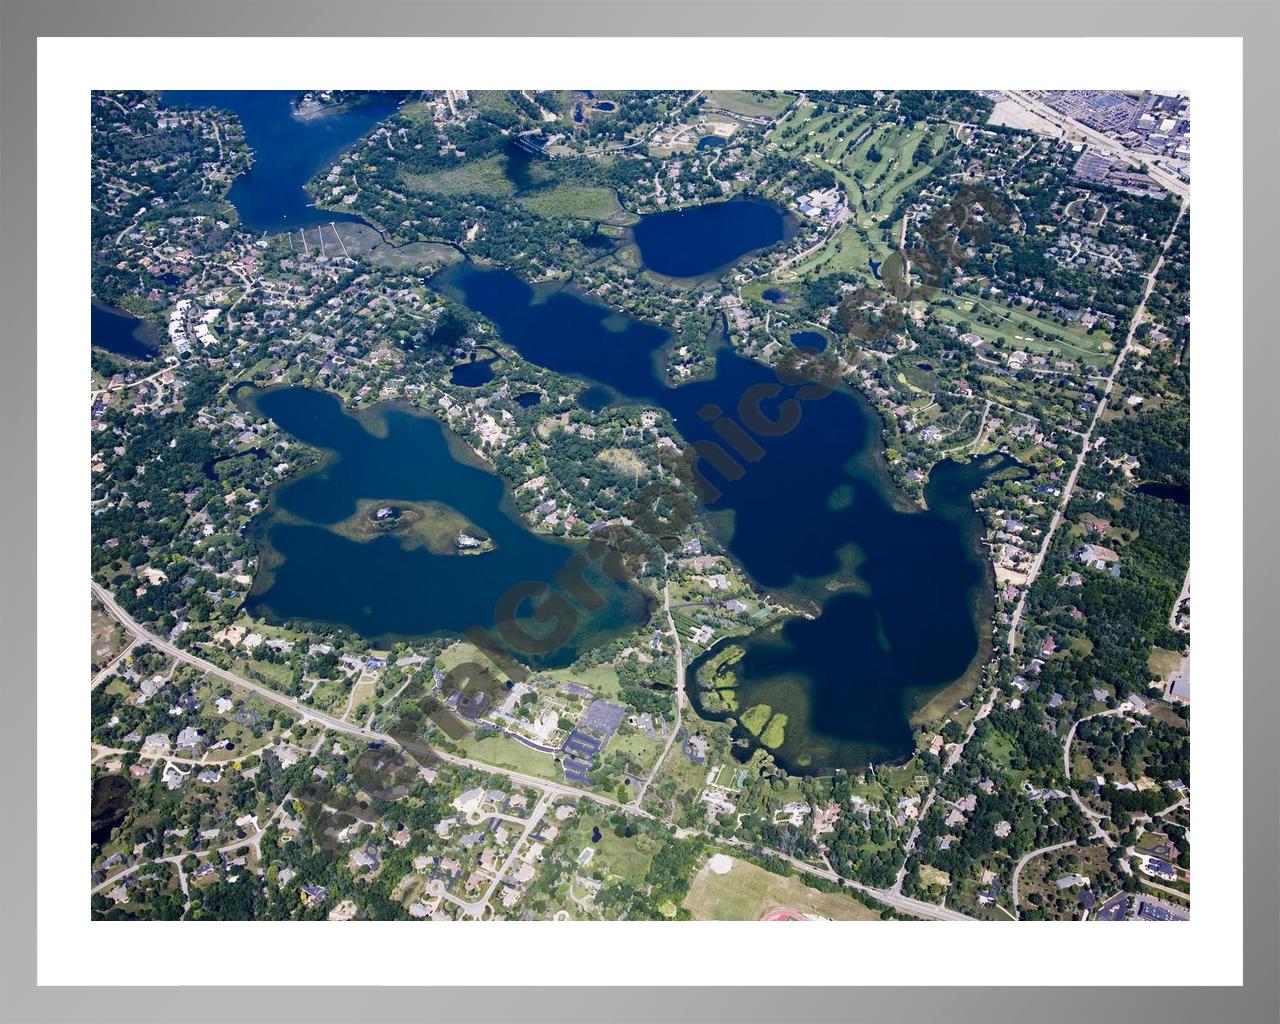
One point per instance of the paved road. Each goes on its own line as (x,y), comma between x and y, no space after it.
(905,904)
(1133,158)
(680,669)
(952,760)
(977,439)
(1058,513)
(111,666)
(1093,817)
(126,385)
(550,790)
(476,907)
(329,721)
(1022,862)
(1071,735)
(307,714)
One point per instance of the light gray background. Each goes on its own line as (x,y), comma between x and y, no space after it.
(1155,949)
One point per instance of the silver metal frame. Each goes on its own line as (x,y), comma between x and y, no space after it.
(1258,23)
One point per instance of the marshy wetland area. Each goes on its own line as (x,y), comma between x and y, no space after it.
(431,524)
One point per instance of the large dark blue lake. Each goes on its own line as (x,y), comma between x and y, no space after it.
(327,557)
(287,151)
(699,241)
(900,597)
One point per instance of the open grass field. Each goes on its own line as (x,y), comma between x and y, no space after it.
(504,752)
(603,679)
(463,652)
(851,251)
(362,241)
(330,695)
(750,104)
(578,202)
(1167,713)
(624,460)
(108,639)
(614,855)
(998,746)
(1018,329)
(748,892)
(1162,663)
(415,254)
(487,177)
(278,676)
(363,691)
(495,101)
(639,746)
(419,112)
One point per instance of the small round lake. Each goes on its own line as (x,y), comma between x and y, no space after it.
(121,333)
(1180,493)
(475,372)
(700,240)
(812,340)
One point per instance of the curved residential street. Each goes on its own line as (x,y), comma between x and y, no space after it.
(549,789)
(1094,818)
(1022,863)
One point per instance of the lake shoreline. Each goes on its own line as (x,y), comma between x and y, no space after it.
(925,570)
(282,592)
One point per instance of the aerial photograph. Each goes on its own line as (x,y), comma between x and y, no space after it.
(581,505)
